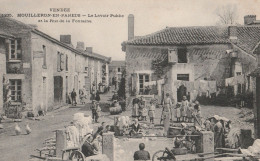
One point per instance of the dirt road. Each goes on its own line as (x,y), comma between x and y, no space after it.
(19,148)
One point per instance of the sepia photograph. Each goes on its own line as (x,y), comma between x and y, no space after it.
(130,80)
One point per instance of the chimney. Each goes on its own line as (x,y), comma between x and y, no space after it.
(232,32)
(80,46)
(249,19)
(131,26)
(89,49)
(65,39)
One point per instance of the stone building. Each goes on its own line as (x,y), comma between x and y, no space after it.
(115,70)
(42,70)
(190,61)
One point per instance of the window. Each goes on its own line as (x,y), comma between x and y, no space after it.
(86,70)
(61,62)
(143,78)
(239,73)
(16,90)
(15,52)
(118,69)
(239,88)
(184,77)
(182,55)
(44,56)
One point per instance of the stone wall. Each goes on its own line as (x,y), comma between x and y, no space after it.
(2,71)
(210,62)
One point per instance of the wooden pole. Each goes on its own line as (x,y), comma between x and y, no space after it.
(257,121)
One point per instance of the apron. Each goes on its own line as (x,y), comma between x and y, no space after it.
(135,110)
(151,111)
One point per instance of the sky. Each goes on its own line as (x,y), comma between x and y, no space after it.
(105,35)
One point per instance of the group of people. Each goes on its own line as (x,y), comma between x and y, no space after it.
(184,111)
(82,96)
(139,108)
(92,144)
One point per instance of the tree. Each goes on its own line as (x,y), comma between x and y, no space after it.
(227,14)
(121,90)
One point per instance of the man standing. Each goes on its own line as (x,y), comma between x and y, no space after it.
(141,154)
(73,97)
(218,132)
(94,110)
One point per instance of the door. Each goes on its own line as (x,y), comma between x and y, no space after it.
(44,94)
(87,84)
(58,89)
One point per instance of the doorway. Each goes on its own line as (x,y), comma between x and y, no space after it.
(58,89)
(181,91)
(44,94)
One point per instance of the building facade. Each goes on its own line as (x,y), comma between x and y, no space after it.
(116,69)
(42,71)
(191,61)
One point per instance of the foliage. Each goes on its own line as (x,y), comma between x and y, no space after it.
(227,14)
(160,67)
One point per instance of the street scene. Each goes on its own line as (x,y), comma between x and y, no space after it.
(150,81)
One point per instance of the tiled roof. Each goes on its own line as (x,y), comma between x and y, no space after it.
(184,35)
(117,63)
(247,36)
(5,34)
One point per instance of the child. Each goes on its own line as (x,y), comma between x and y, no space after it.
(197,113)
(178,112)
(144,114)
(184,106)
(151,112)
(190,112)
(98,112)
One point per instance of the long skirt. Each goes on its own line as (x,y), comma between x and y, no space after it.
(166,122)
(151,113)
(135,110)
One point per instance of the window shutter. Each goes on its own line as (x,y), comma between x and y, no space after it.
(58,62)
(172,56)
(66,65)
(62,62)
(153,77)
(8,47)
